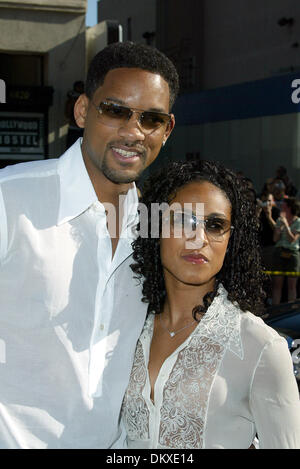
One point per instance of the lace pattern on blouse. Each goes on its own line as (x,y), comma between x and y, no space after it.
(222,323)
(187,390)
(185,400)
(134,411)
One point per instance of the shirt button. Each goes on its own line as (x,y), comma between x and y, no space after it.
(101,327)
(97,207)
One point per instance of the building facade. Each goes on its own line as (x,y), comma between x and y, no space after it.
(237,62)
(42,53)
(138,18)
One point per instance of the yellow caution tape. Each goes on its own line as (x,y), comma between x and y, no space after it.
(287,274)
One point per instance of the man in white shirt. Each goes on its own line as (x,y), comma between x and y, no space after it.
(71,310)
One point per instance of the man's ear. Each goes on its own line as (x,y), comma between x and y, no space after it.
(169,129)
(80,110)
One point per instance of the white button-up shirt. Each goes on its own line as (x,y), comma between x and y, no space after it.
(230,379)
(70,315)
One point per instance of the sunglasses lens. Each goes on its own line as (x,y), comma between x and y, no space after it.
(153,120)
(113,114)
(183,221)
(216,227)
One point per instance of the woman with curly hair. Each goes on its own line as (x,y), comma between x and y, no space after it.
(207,373)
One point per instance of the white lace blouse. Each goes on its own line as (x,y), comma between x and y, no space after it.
(231,379)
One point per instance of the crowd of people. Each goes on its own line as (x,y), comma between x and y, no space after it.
(278,209)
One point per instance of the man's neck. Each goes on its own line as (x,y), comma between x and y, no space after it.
(111,193)
(106,190)
(112,196)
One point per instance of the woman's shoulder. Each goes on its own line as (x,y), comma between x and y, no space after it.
(256,331)
(249,322)
(253,332)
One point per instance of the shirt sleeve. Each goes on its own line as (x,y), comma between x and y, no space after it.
(274,398)
(296,227)
(3,226)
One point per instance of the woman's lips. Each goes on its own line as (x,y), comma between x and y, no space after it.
(195,258)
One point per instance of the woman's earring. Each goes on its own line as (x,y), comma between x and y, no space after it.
(163,143)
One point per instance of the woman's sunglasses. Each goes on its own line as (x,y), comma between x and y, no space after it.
(186,223)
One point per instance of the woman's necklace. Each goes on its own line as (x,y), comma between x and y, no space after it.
(173,333)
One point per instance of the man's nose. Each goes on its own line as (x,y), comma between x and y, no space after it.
(132,128)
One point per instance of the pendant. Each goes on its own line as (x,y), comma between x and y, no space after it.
(173,333)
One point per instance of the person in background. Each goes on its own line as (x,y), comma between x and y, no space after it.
(287,256)
(208,373)
(267,187)
(278,191)
(70,307)
(290,188)
(268,214)
(74,131)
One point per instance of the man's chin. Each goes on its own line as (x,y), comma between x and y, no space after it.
(121,177)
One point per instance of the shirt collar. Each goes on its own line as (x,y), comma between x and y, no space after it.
(77,193)
(130,215)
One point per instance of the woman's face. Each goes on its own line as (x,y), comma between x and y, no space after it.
(268,198)
(195,257)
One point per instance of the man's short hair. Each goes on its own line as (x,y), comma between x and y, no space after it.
(131,55)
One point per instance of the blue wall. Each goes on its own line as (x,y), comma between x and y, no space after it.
(268,97)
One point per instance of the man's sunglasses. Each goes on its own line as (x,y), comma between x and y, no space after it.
(116,115)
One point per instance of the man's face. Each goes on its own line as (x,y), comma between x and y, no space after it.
(121,153)
(268,199)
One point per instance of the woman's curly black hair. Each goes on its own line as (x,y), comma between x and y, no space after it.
(241,274)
